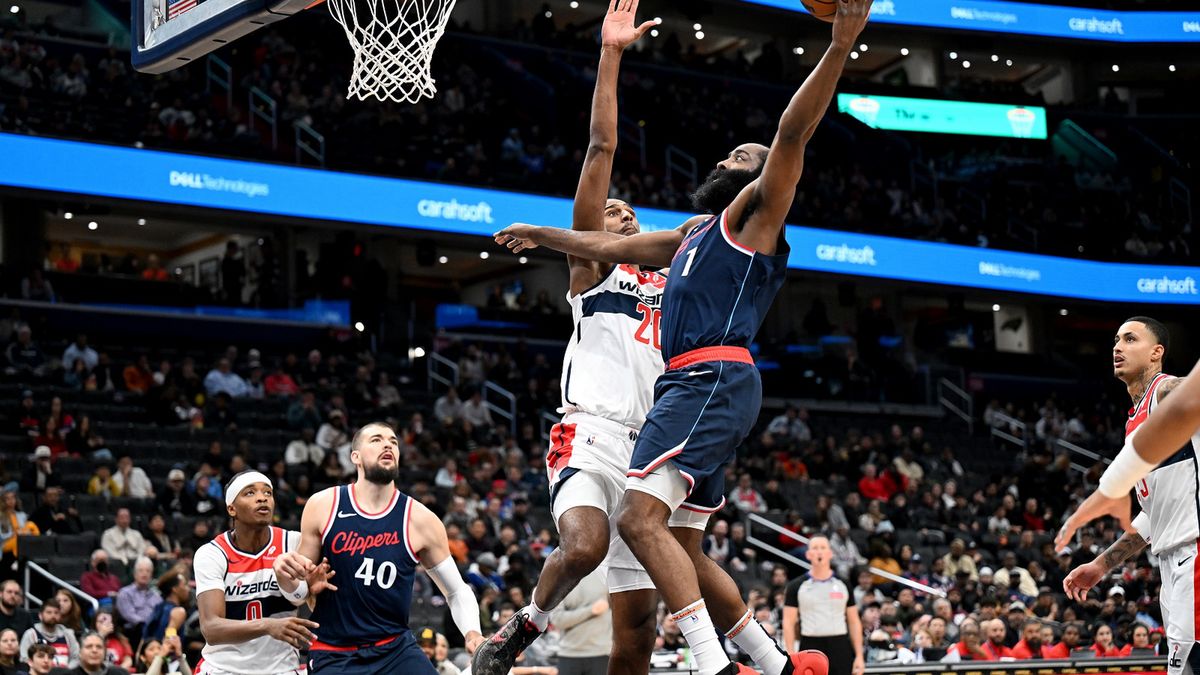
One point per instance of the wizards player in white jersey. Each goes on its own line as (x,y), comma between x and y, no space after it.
(1169,497)
(611,362)
(725,271)
(250,627)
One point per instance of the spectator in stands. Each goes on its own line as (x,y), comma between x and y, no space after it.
(80,351)
(388,395)
(220,414)
(1013,579)
(137,376)
(40,658)
(119,651)
(222,379)
(1030,646)
(37,288)
(132,480)
(1102,642)
(971,645)
(745,498)
(24,356)
(303,455)
(50,438)
(995,631)
(1139,638)
(53,518)
(791,425)
(586,624)
(157,536)
(102,483)
(92,652)
(82,440)
(13,524)
(482,573)
(280,383)
(136,602)
(169,615)
(200,535)
(334,437)
(99,582)
(12,615)
(162,657)
(475,412)
(121,541)
(50,631)
(875,486)
(10,645)
(448,409)
(716,544)
(204,502)
(1067,644)
(176,500)
(959,560)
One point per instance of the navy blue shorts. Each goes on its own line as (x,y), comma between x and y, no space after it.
(401,655)
(701,413)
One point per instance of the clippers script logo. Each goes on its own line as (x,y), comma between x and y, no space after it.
(356,544)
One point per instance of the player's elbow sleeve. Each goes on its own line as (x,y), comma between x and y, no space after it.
(464,608)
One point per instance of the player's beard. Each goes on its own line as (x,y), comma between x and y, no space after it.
(379,475)
(720,189)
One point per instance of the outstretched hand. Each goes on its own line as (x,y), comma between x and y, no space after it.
(619,29)
(318,578)
(850,20)
(517,237)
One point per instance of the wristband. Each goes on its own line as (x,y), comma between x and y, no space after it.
(299,595)
(169,633)
(1124,472)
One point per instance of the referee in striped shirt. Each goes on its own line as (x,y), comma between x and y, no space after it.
(821,606)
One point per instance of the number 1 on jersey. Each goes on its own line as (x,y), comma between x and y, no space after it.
(691,255)
(651,319)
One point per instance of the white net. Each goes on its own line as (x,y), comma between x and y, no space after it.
(393,43)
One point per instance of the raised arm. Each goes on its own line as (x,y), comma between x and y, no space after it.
(590,208)
(296,567)
(653,249)
(757,214)
(432,548)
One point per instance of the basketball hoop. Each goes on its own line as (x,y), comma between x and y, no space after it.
(393,43)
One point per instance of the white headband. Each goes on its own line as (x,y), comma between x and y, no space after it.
(241,481)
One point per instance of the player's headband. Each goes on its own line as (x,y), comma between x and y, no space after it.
(241,482)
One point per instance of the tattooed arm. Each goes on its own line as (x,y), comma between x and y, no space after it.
(1085,577)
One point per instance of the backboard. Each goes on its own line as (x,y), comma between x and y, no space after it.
(168,34)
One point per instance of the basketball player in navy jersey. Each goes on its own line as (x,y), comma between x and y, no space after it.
(374,537)
(725,272)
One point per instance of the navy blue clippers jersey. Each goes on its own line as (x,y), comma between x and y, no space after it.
(375,564)
(718,291)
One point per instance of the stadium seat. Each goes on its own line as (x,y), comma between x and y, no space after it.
(78,545)
(68,568)
(36,547)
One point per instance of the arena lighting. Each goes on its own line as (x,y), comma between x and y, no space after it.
(966,64)
(995,58)
(953,56)
(1116,68)
(1171,67)
(863,47)
(68,215)
(142,221)
(654,33)
(574,4)
(995,308)
(93,226)
(699,35)
(14,9)
(522,260)
(799,51)
(443,260)
(416,353)
(358,326)
(697,26)
(484,255)
(549,14)
(1008,62)
(904,51)
(1062,312)
(854,55)
(658,19)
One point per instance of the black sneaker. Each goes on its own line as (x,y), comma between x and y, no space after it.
(497,655)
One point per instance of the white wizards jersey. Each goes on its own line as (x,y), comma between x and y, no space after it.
(614,355)
(1170,494)
(251,593)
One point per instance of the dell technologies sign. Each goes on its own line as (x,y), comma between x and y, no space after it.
(151,176)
